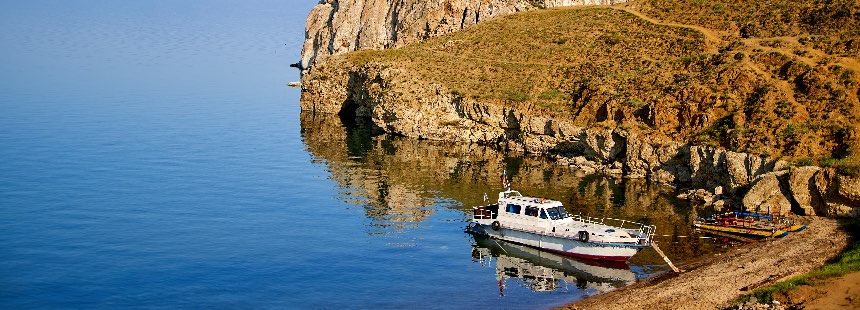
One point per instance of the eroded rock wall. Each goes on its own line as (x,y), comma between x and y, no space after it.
(398,103)
(341,26)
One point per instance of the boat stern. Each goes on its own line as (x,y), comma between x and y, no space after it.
(476,228)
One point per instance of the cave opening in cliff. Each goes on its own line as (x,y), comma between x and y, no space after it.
(359,127)
(350,116)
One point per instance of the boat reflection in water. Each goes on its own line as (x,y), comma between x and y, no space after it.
(542,271)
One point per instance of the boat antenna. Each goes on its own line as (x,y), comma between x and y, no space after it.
(505,183)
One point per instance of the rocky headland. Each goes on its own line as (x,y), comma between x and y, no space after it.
(743,103)
(733,107)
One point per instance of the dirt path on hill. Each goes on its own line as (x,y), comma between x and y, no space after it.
(793,45)
(712,38)
(716,282)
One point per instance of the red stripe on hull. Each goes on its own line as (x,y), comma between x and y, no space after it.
(617,262)
(595,257)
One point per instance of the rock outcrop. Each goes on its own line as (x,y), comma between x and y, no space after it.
(839,193)
(801,183)
(341,26)
(806,191)
(397,103)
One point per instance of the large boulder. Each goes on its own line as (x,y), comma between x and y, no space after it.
(801,182)
(846,201)
(768,194)
(738,168)
(841,194)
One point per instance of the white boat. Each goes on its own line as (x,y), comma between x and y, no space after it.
(544,224)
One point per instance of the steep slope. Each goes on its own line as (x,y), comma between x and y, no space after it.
(337,27)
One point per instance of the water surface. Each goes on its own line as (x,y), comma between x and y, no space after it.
(151,156)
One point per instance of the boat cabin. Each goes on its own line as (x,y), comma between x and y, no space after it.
(512,204)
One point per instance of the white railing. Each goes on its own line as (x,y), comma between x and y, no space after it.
(644,233)
(482,213)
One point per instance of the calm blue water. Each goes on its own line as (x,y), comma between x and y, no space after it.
(151,156)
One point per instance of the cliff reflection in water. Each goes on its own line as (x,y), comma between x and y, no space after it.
(400,182)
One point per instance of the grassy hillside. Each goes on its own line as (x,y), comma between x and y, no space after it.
(778,78)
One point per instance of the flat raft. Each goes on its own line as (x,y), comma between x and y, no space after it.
(744,231)
(747,225)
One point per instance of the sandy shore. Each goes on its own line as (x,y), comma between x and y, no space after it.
(716,282)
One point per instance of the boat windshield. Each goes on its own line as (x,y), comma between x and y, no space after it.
(510,194)
(556,213)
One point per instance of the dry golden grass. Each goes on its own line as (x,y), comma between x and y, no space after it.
(539,56)
(778,78)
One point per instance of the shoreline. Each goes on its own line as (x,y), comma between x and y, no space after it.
(716,282)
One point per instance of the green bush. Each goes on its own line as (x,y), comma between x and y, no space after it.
(809,161)
(719,8)
(516,96)
(550,94)
(537,4)
(846,166)
(611,39)
(634,103)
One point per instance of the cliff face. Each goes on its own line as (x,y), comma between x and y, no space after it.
(398,103)
(337,27)
(615,92)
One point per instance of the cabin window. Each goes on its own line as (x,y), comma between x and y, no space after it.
(532,211)
(515,209)
(562,212)
(553,213)
(542,214)
(556,213)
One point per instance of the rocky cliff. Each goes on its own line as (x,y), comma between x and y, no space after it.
(401,105)
(677,104)
(337,27)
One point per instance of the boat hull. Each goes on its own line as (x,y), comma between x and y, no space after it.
(560,245)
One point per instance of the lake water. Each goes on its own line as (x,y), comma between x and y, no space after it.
(152,156)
